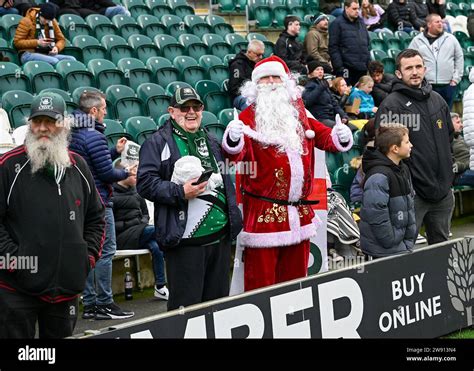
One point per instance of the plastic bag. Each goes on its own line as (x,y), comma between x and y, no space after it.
(186,168)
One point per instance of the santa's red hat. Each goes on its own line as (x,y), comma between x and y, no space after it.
(271,66)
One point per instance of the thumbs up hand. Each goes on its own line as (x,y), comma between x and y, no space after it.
(342,131)
(236,127)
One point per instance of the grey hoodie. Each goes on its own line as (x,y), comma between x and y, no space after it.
(468,118)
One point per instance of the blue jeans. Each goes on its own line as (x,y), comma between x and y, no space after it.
(100,278)
(447,92)
(114,10)
(4,11)
(240,103)
(466,178)
(51,59)
(147,241)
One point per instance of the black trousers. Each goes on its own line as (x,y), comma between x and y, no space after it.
(19,314)
(198,273)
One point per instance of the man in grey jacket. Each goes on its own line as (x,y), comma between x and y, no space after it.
(443,56)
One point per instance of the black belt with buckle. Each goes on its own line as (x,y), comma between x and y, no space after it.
(280,202)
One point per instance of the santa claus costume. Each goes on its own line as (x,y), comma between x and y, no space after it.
(279,136)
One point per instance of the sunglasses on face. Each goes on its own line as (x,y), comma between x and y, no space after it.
(195,107)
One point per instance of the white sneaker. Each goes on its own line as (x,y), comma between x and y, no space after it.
(335,256)
(420,239)
(162,293)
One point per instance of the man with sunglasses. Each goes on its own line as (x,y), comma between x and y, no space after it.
(194,223)
(240,70)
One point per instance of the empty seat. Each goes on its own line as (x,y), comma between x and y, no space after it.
(155,99)
(90,46)
(377,55)
(17,104)
(217,101)
(159,8)
(117,47)
(219,25)
(75,74)
(163,119)
(193,45)
(144,47)
(151,25)
(106,73)
(169,46)
(163,71)
(171,88)
(73,25)
(113,132)
(197,25)
(226,115)
(11,78)
(211,124)
(174,24)
(205,87)
(9,22)
(189,69)
(217,46)
(126,25)
(236,41)
(135,72)
(101,25)
(216,71)
(42,75)
(76,94)
(136,7)
(140,128)
(124,102)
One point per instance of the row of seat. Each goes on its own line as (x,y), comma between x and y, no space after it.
(459,8)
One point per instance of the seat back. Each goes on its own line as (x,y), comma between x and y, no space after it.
(140,128)
(42,75)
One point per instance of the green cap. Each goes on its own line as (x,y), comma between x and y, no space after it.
(48,104)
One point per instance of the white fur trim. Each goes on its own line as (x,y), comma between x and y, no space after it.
(232,150)
(310,134)
(268,69)
(297,175)
(276,239)
(337,143)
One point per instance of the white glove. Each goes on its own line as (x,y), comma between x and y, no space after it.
(236,128)
(342,131)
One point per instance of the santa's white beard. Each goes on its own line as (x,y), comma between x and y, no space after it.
(276,118)
(53,152)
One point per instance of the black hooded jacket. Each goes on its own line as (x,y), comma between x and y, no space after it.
(240,70)
(382,89)
(292,52)
(428,119)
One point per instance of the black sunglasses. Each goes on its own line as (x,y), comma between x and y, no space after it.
(195,107)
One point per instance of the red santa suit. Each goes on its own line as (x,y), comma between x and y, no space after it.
(276,236)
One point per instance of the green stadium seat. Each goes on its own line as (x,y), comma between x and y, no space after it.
(151,25)
(124,102)
(113,132)
(196,25)
(414,33)
(359,140)
(226,6)
(161,10)
(126,26)
(402,35)
(101,25)
(152,4)
(169,46)
(91,48)
(312,6)
(211,124)
(136,7)
(263,16)
(389,65)
(256,36)
(333,161)
(373,35)
(226,115)
(73,51)
(217,46)
(343,178)
(452,8)
(227,58)
(377,44)
(106,73)
(236,41)
(385,35)
(304,28)
(117,48)
(11,53)
(216,71)
(183,11)
(171,88)
(393,43)
(17,104)
(378,55)
(155,99)
(144,47)
(12,78)
(135,72)
(163,119)
(219,25)
(225,86)
(240,5)
(393,53)
(174,24)
(217,101)
(73,25)
(42,75)
(193,45)
(205,87)
(75,74)
(140,128)
(163,70)
(295,8)
(280,12)
(190,71)
(76,94)
(349,155)
(9,22)
(70,105)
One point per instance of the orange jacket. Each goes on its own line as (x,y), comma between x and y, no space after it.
(25,40)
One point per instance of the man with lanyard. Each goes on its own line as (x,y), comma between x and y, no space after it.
(194,222)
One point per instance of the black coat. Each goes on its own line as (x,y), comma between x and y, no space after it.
(404,15)
(319,101)
(349,44)
(292,52)
(240,70)
(382,89)
(428,119)
(130,215)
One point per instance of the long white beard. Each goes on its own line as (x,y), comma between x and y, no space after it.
(276,118)
(53,152)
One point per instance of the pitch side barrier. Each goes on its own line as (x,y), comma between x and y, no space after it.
(424,294)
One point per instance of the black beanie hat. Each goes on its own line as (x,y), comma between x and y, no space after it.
(313,65)
(48,11)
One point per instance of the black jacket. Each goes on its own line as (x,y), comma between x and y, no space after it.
(348,44)
(130,216)
(157,158)
(427,117)
(97,5)
(62,225)
(387,224)
(422,8)
(240,70)
(292,52)
(319,101)
(382,89)
(403,15)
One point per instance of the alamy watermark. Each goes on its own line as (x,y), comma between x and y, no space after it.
(409,120)
(15,262)
(242,167)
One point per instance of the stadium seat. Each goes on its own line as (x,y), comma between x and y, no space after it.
(377,44)
(389,65)
(385,34)
(377,55)
(359,140)
(126,26)
(91,48)
(171,88)
(101,25)
(136,7)
(162,119)
(343,178)
(42,75)
(280,12)
(155,99)
(226,6)
(12,78)
(304,28)
(205,87)
(73,25)
(236,41)
(76,94)
(117,48)
(393,43)
(333,161)
(106,73)
(190,71)
(163,71)
(135,72)
(295,8)
(216,71)
(75,74)
(193,45)
(124,102)
(161,10)
(151,25)
(17,104)
(113,132)
(169,46)
(263,16)
(9,22)
(240,5)
(312,7)
(216,102)
(226,115)
(219,25)
(227,58)
(196,25)
(70,105)
(143,47)
(140,128)
(174,24)
(211,124)
(181,8)
(393,53)
(349,155)
(217,46)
